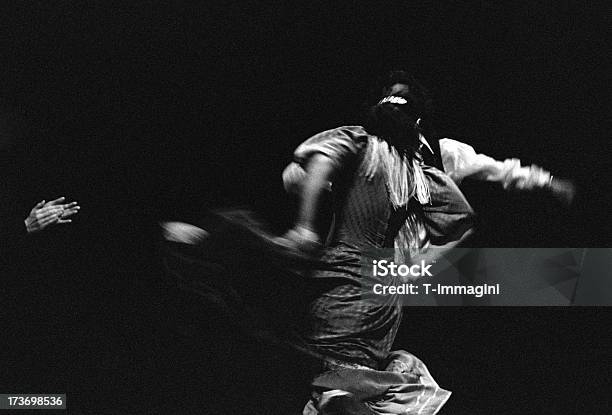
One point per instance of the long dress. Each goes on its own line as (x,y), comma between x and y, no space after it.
(352,333)
(355,331)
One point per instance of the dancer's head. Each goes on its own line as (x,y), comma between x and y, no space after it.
(401,112)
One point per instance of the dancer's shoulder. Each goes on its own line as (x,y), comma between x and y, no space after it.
(337,143)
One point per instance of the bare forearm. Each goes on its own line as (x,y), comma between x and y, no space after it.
(315,185)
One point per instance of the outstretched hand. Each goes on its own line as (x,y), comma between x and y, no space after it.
(45,214)
(183,233)
(300,238)
(526,178)
(533,177)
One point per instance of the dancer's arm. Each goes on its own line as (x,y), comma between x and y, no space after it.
(461,161)
(316,163)
(315,184)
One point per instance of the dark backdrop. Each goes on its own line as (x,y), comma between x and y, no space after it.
(144,111)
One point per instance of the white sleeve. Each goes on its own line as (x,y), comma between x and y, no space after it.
(460,160)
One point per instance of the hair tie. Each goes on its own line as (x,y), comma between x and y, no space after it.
(393,100)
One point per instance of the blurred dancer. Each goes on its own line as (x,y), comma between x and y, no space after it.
(381,196)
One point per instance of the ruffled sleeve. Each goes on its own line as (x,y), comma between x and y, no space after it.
(460,161)
(341,145)
(449,215)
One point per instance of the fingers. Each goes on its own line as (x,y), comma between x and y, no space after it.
(48,221)
(69,205)
(47,211)
(56,201)
(70,212)
(53,215)
(44,214)
(36,207)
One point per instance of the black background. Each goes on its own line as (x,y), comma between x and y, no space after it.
(144,111)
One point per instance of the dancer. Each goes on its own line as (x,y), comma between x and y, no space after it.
(381,196)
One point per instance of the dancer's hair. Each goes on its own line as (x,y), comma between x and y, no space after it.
(397,123)
(396,120)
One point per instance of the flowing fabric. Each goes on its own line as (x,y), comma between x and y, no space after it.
(350,333)
(344,324)
(404,387)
